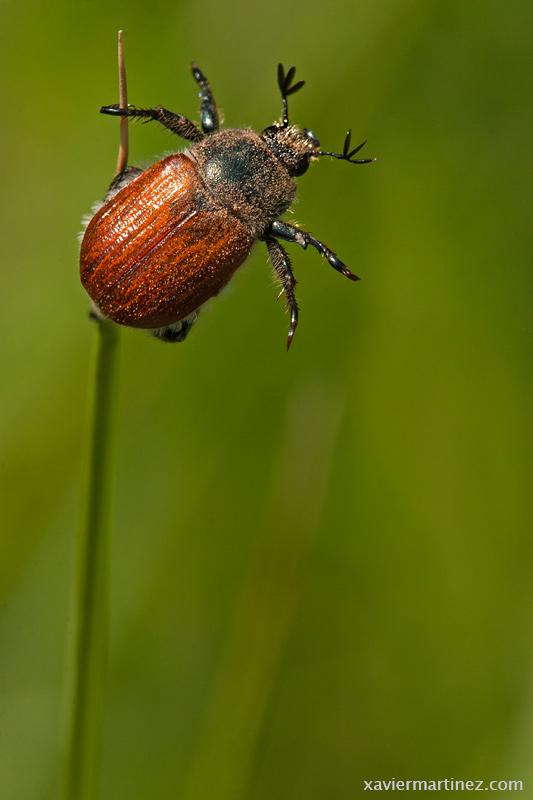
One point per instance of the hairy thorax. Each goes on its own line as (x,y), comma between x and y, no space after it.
(242,173)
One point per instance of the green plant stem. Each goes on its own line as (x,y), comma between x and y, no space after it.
(92,604)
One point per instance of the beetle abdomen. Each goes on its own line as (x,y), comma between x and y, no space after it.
(160,247)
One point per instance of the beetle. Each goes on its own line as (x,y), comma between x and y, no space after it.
(168,238)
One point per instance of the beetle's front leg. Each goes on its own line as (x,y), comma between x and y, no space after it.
(208,107)
(282,266)
(290,233)
(176,123)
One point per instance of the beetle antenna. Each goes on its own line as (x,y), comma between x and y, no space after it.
(284,83)
(122,160)
(347,154)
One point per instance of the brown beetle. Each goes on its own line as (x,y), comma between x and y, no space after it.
(168,238)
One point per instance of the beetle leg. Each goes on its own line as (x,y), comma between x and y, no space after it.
(290,233)
(282,266)
(177,332)
(176,123)
(120,180)
(208,107)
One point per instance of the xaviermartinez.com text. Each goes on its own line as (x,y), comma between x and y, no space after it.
(443,785)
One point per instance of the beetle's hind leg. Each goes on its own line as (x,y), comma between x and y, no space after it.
(282,266)
(209,117)
(119,181)
(178,331)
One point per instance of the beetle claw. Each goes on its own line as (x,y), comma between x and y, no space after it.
(114,110)
(351,275)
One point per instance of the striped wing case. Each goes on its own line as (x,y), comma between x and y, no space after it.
(160,247)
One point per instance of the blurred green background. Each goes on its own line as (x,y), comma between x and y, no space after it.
(321,561)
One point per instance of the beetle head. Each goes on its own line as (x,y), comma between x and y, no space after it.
(293,146)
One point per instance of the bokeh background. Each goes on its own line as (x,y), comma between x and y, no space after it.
(321,561)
